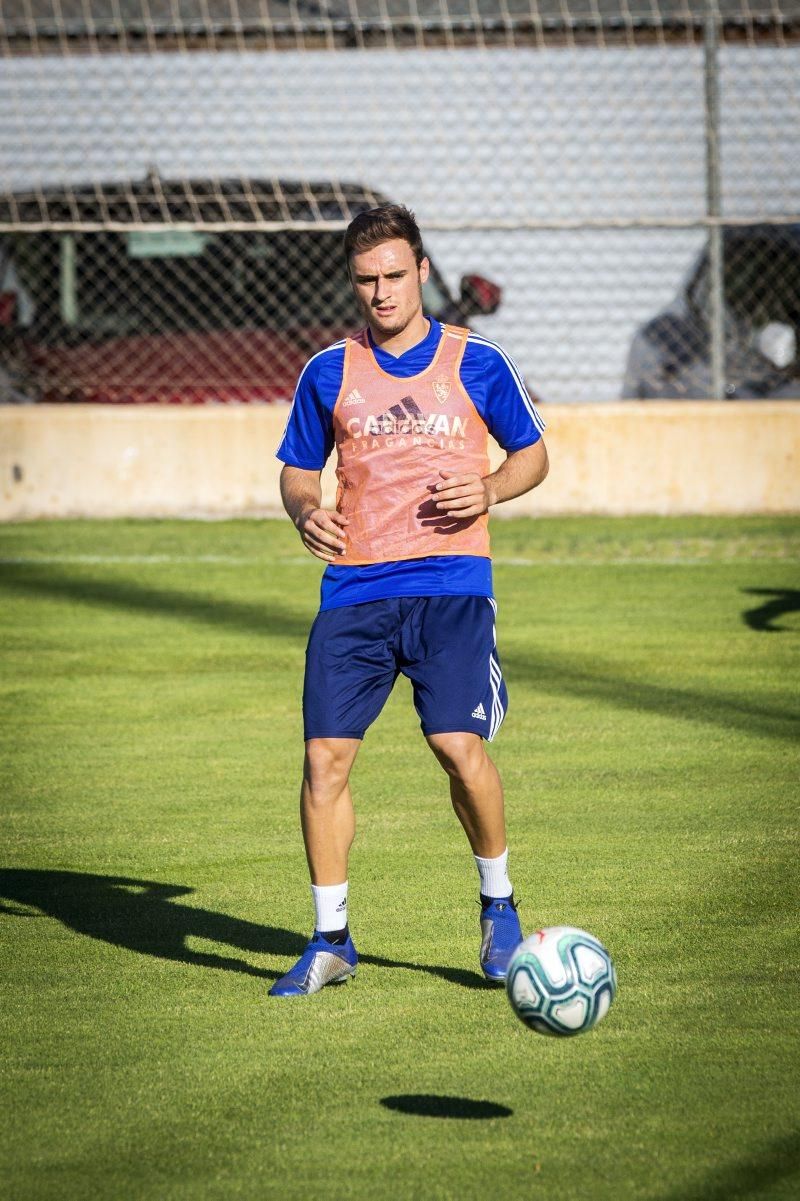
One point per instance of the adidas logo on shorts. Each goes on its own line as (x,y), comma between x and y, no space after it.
(480,713)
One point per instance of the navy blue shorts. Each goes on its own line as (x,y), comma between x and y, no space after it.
(445,645)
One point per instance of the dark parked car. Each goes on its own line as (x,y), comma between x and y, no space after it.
(670,356)
(169,313)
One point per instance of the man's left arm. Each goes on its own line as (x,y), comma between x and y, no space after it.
(470,495)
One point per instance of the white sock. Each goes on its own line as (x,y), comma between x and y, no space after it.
(330,906)
(494,875)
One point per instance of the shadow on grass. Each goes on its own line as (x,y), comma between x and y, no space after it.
(747,1177)
(143,916)
(431,1105)
(130,597)
(558,675)
(763,616)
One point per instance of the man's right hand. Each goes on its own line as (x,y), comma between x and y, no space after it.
(322,532)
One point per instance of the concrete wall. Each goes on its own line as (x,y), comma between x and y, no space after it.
(654,457)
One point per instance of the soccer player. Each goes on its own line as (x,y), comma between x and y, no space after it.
(409,404)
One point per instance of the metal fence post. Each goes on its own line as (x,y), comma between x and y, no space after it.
(714,199)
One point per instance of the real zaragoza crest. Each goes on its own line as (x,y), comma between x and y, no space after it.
(441,389)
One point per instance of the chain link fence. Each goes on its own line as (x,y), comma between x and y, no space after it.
(609,188)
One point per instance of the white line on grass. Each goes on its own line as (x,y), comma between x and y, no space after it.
(311,561)
(46,560)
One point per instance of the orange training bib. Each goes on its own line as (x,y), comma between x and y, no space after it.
(393,437)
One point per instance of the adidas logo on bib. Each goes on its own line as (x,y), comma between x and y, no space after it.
(353,398)
(480,713)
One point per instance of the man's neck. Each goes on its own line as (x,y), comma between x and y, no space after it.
(396,344)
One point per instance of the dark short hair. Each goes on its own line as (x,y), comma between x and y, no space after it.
(383,224)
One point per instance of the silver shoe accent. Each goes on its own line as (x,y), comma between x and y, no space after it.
(487,928)
(327,968)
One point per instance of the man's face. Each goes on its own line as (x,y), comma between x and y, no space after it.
(388,286)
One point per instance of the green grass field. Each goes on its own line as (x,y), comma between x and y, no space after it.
(153,881)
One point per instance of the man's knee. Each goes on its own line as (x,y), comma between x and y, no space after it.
(461,754)
(328,762)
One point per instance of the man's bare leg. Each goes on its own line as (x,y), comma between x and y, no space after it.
(326,807)
(475,790)
(328,821)
(477,796)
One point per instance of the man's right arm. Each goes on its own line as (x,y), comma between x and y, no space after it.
(321,530)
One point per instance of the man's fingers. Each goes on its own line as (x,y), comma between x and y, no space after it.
(326,526)
(459,491)
(323,534)
(324,542)
(461,503)
(326,556)
(320,525)
(459,514)
(463,496)
(471,489)
(455,481)
(322,550)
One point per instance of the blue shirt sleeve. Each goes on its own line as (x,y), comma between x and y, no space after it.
(498,391)
(308,437)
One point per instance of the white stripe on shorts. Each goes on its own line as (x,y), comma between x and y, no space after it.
(496,680)
(498,712)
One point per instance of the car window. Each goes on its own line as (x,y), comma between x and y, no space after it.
(761,277)
(97,286)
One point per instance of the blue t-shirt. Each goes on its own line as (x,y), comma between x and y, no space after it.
(497,390)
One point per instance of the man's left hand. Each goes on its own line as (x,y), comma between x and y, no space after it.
(462,495)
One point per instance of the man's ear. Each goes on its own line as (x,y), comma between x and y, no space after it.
(424,270)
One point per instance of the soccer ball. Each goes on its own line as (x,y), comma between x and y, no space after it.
(561,981)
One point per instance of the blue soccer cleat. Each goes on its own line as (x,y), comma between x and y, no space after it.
(502,935)
(321,963)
